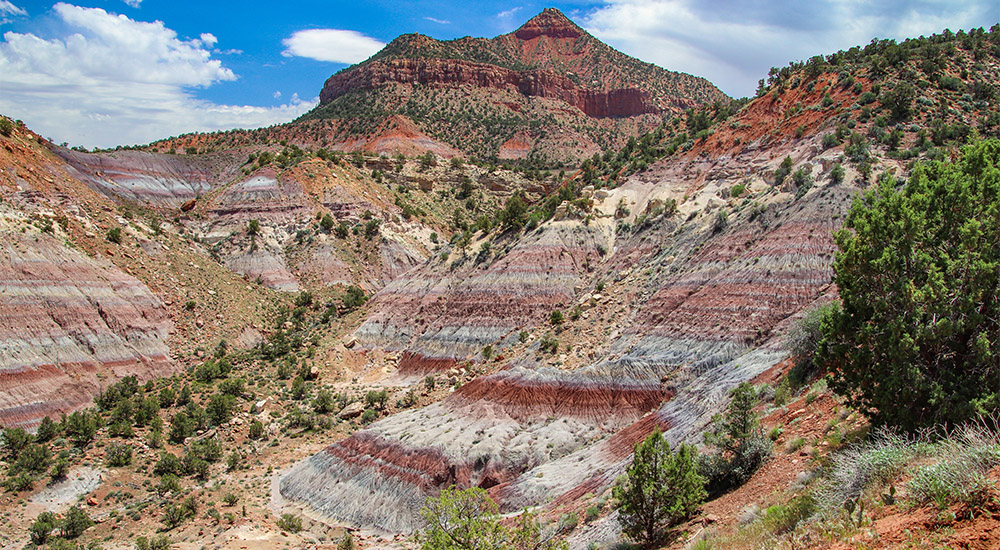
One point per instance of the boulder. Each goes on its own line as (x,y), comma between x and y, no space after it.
(352,410)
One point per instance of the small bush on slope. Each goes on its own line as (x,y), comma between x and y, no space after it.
(660,489)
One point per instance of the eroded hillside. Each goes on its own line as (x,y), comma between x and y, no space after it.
(365,330)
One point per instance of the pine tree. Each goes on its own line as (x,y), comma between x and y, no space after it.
(914,343)
(661,488)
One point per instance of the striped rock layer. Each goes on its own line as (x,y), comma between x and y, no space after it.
(692,308)
(159,180)
(69,325)
(444,311)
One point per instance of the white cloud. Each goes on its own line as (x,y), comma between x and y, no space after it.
(119,81)
(133,3)
(6,8)
(334,45)
(509,13)
(276,94)
(733,43)
(438,21)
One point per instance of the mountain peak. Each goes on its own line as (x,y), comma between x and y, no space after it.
(552,23)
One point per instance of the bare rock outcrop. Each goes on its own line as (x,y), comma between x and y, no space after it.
(69,325)
(437,315)
(167,181)
(624,102)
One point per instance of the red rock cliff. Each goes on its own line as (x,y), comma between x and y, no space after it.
(452,72)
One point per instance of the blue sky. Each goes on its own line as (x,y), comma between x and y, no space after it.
(108,72)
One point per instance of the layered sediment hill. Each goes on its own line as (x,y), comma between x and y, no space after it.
(528,327)
(686,310)
(69,321)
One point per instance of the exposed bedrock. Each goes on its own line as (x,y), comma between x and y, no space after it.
(624,102)
(437,315)
(69,325)
(160,180)
(288,252)
(701,393)
(260,197)
(266,263)
(486,434)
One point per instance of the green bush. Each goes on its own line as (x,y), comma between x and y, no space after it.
(168,464)
(41,529)
(220,408)
(256,430)
(377,398)
(33,459)
(60,469)
(354,297)
(74,523)
(469,520)
(206,449)
(741,447)
(19,482)
(81,427)
(803,181)
(298,388)
(660,489)
(159,542)
(114,235)
(173,515)
(169,483)
(117,454)
(568,521)
(46,430)
(515,213)
(783,518)
(181,427)
(548,344)
(914,344)
(324,402)
(15,440)
(290,523)
(556,318)
(837,173)
(783,170)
